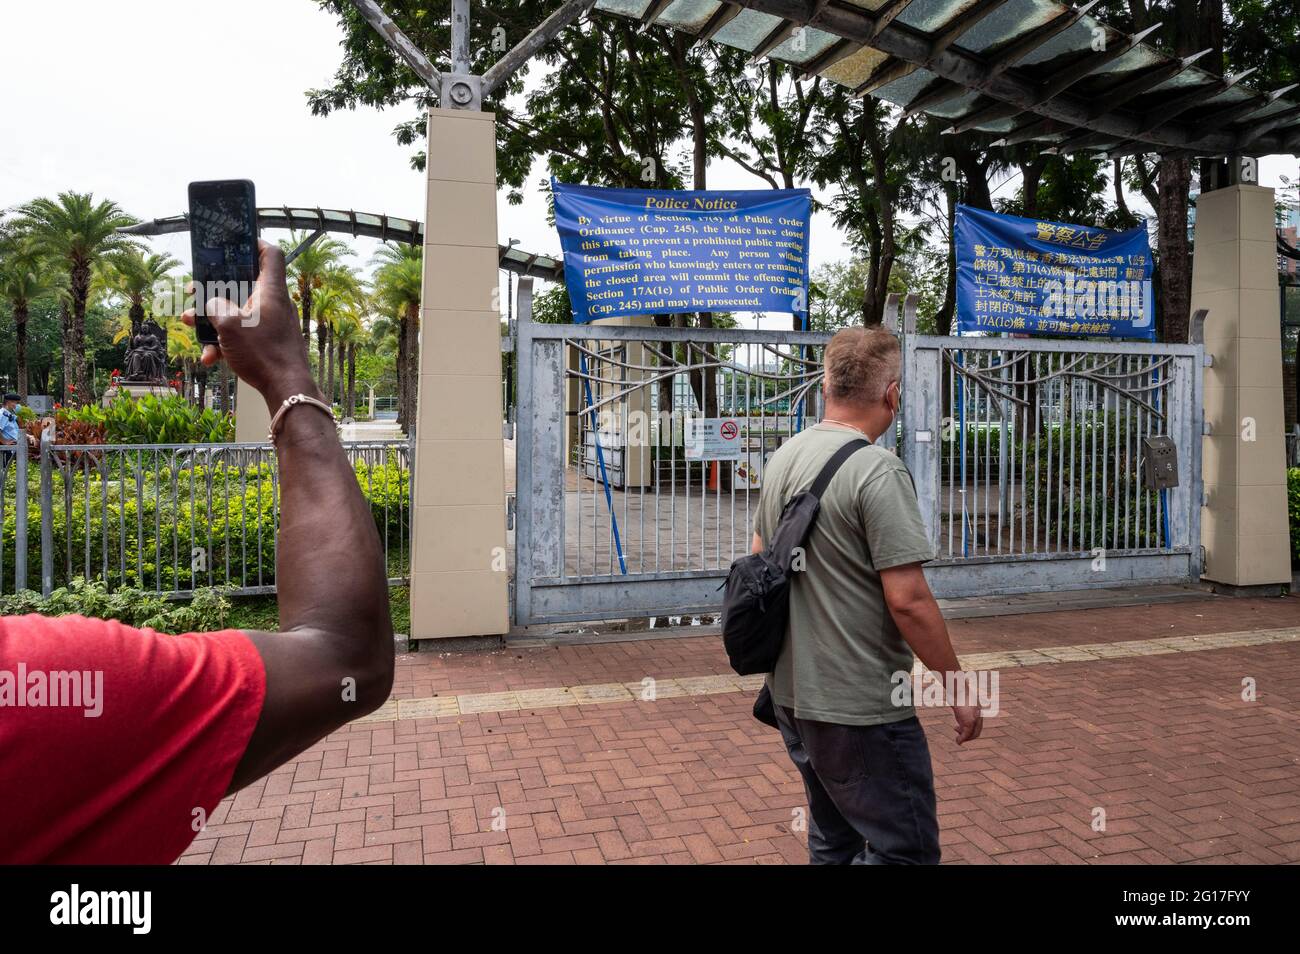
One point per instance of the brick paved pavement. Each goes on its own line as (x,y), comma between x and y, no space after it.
(1184,770)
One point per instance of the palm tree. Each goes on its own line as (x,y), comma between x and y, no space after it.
(134,276)
(398,282)
(75,231)
(329,303)
(340,290)
(307,272)
(183,348)
(22,279)
(349,333)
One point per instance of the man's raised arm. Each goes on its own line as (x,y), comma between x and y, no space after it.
(332,661)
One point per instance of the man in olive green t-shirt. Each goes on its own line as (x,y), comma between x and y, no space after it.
(859,608)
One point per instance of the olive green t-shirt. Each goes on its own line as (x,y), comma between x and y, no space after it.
(842,648)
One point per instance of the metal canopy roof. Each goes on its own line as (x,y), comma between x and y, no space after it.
(384,227)
(1024,69)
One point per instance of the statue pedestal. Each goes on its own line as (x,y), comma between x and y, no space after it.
(134,391)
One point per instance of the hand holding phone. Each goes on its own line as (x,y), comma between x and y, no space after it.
(261,341)
(223,246)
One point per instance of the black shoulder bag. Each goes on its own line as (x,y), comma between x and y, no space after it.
(756,605)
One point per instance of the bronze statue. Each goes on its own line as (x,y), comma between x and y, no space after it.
(146,359)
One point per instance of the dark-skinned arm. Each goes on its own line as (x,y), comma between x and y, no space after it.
(332,660)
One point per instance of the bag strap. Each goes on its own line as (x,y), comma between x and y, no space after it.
(831,466)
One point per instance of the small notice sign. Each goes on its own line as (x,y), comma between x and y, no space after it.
(713,438)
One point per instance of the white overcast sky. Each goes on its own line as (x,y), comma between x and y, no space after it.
(133,99)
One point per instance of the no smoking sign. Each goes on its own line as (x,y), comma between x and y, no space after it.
(713,438)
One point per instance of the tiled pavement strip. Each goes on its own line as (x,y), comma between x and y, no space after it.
(1140,714)
(651,689)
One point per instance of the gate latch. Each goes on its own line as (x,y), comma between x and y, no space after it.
(1161,470)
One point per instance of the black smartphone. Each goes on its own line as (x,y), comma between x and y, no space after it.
(223,246)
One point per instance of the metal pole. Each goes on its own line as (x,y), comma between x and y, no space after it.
(460,37)
(47,517)
(20,517)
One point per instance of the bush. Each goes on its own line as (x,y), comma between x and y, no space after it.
(154,420)
(207,611)
(67,430)
(146,420)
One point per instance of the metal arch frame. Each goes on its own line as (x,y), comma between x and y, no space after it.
(283,217)
(459,89)
(996,76)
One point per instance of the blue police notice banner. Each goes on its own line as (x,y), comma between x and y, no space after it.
(654,252)
(1029,276)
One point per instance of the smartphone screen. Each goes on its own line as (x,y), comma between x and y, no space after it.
(223,245)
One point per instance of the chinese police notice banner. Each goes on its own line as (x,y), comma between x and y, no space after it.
(1029,276)
(653,252)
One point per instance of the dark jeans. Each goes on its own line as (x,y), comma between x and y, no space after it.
(870,791)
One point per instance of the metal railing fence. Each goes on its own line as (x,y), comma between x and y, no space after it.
(172,518)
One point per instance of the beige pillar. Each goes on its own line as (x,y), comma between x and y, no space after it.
(458,571)
(1234,277)
(252,420)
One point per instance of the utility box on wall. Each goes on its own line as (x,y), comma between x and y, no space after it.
(1160,462)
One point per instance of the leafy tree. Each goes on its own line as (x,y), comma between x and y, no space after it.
(766,112)
(73,231)
(1263,35)
(349,333)
(133,276)
(23,278)
(183,348)
(398,284)
(340,293)
(307,272)
(861,150)
(44,350)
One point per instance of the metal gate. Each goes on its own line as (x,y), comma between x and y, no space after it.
(615,516)
(1027,456)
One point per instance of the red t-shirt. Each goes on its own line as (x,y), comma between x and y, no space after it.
(117,743)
